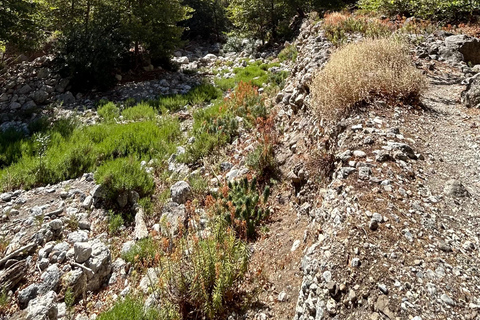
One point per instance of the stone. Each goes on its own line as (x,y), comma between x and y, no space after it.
(27,294)
(377,217)
(364,173)
(127,246)
(56,225)
(403,147)
(141,231)
(180,192)
(100,263)
(43,73)
(447,300)
(442,245)
(83,251)
(77,236)
(173,216)
(25,89)
(149,280)
(373,225)
(87,203)
(43,307)
(359,154)
(455,188)
(15,105)
(295,245)
(40,96)
(282,296)
(6,197)
(66,98)
(76,280)
(383,156)
(471,95)
(122,199)
(355,262)
(50,279)
(383,288)
(182,60)
(209,58)
(468,47)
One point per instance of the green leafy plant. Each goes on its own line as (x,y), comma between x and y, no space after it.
(115,222)
(143,252)
(130,308)
(244,207)
(109,112)
(69,299)
(141,111)
(199,95)
(88,147)
(289,53)
(201,278)
(124,175)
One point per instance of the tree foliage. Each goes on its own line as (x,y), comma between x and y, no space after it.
(428,9)
(209,19)
(17,26)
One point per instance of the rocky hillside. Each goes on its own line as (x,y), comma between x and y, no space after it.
(375,216)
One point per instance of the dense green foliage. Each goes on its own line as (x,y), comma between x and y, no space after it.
(428,9)
(16,22)
(124,174)
(209,18)
(59,155)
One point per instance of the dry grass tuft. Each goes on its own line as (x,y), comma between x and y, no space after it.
(364,71)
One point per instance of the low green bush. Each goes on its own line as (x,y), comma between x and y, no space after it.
(122,175)
(244,208)
(255,73)
(425,9)
(129,308)
(115,222)
(109,112)
(201,94)
(202,277)
(87,148)
(141,111)
(289,53)
(143,251)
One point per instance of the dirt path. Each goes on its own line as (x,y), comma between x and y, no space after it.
(452,143)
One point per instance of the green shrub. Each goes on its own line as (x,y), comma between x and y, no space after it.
(201,94)
(87,148)
(109,112)
(201,279)
(262,160)
(115,222)
(244,208)
(121,175)
(289,53)
(142,251)
(255,73)
(129,309)
(425,9)
(141,111)
(90,55)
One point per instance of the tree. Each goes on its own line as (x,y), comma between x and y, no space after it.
(209,18)
(153,24)
(16,25)
(257,18)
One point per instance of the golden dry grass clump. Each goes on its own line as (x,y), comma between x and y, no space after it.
(362,72)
